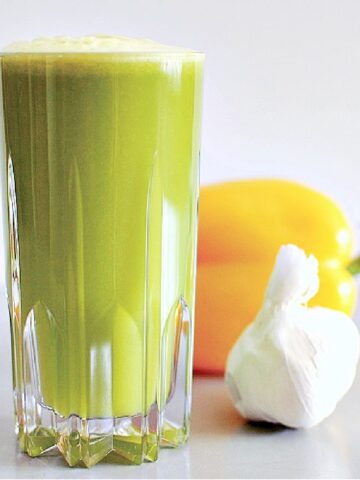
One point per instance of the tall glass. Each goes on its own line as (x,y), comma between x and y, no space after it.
(99,155)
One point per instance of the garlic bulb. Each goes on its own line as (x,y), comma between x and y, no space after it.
(293,363)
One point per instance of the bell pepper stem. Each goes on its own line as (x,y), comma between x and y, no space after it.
(354,266)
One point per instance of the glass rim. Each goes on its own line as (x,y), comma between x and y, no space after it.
(128,54)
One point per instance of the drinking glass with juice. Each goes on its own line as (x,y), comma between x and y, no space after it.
(99,148)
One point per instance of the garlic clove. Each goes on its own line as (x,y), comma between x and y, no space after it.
(293,364)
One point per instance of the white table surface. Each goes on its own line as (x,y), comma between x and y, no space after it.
(222,445)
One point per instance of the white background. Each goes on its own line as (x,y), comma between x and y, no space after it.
(282,87)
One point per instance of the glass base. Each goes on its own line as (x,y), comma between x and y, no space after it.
(85,442)
(123,440)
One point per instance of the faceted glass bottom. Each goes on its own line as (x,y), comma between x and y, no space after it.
(126,439)
(85,442)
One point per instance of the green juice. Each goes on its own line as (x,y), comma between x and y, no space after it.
(101,154)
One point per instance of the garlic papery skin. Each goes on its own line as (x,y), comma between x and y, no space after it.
(293,364)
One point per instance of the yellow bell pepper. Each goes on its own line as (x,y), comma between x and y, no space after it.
(242,225)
